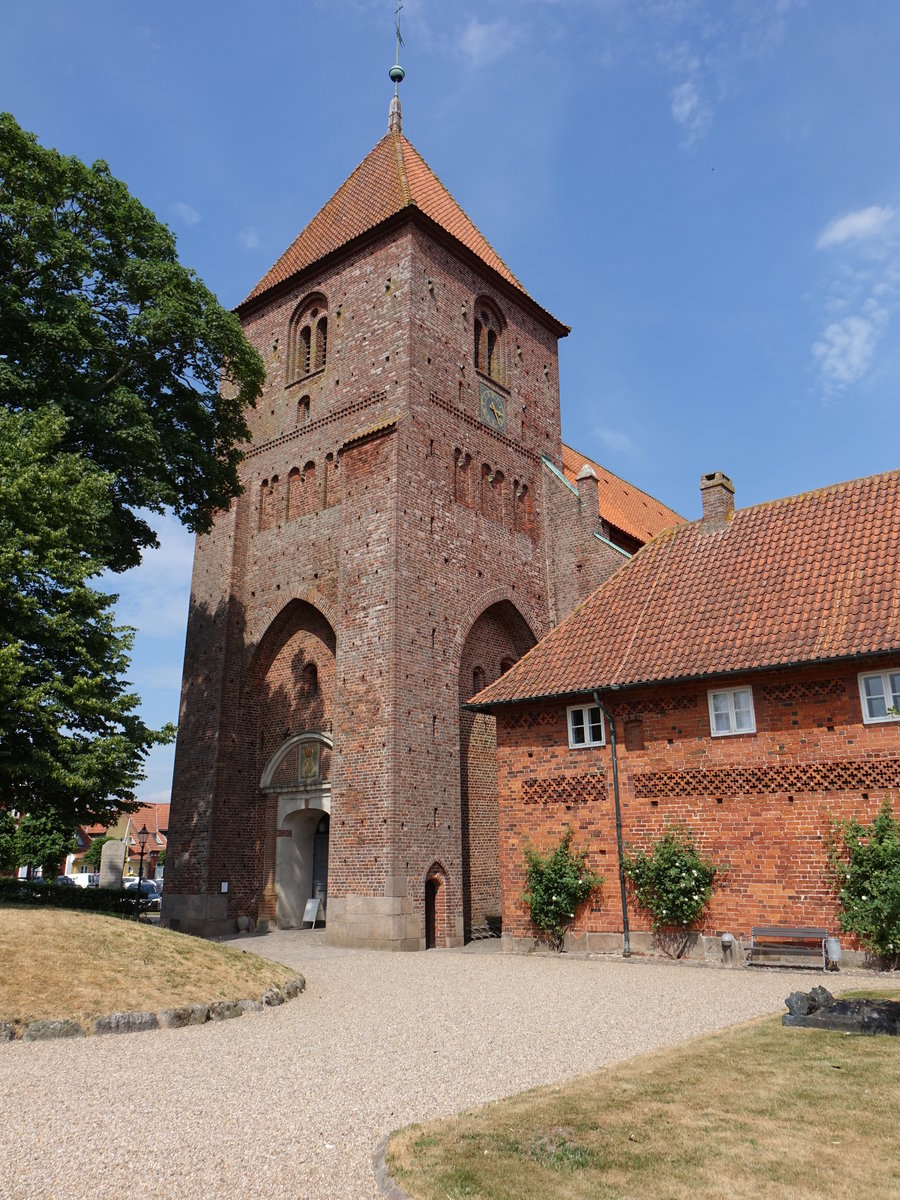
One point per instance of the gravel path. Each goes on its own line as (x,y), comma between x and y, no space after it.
(291,1102)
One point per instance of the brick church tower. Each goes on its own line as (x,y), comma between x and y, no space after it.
(406,532)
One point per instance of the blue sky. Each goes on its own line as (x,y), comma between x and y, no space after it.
(707,191)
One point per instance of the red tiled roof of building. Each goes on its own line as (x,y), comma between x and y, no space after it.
(156,818)
(621,503)
(392,177)
(807,578)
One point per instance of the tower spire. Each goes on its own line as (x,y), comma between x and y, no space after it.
(397,74)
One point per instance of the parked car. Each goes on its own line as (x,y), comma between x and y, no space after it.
(149,894)
(86,879)
(65,881)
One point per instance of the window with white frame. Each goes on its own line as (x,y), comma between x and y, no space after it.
(586,726)
(878,692)
(731,711)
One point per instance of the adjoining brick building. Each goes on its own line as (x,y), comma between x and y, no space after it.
(411,525)
(748,662)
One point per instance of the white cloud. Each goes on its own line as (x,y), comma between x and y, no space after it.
(691,111)
(153,597)
(860,297)
(846,348)
(248,238)
(615,440)
(864,224)
(186,213)
(485,42)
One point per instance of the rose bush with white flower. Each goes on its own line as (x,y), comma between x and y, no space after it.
(555,886)
(673,883)
(864,871)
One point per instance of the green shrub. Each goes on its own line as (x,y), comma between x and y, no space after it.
(114,901)
(864,870)
(556,886)
(673,883)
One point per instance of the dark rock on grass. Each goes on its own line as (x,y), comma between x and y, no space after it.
(251,1006)
(7,1032)
(818,1009)
(40,1031)
(125,1022)
(272,997)
(187,1014)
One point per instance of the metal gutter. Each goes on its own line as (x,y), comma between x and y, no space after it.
(626,948)
(607,542)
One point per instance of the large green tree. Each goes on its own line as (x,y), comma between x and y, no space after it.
(9,855)
(123,388)
(99,319)
(70,736)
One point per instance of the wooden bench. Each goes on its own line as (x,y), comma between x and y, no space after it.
(786,941)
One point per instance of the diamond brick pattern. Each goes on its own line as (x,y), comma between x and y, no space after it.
(860,775)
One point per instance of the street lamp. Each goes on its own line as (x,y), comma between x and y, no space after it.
(142,842)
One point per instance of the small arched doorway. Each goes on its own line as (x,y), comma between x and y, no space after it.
(431,891)
(435,907)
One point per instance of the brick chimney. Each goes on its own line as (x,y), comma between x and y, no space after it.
(717,494)
(588,486)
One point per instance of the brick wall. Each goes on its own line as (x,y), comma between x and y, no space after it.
(759,803)
(379,501)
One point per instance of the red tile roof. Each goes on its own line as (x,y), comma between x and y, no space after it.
(156,818)
(806,578)
(392,177)
(621,503)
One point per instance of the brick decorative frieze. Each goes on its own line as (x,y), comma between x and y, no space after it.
(338,414)
(849,775)
(565,789)
(813,691)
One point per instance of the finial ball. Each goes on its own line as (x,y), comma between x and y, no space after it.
(397,73)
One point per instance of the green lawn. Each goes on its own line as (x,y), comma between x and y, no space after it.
(756,1111)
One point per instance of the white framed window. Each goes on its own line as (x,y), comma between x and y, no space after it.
(879,691)
(731,711)
(586,726)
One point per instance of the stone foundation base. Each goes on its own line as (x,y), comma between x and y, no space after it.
(377,923)
(644,944)
(204,915)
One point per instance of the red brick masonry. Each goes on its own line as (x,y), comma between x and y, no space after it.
(760,804)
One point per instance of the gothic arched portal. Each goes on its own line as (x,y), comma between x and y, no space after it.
(498,637)
(287,712)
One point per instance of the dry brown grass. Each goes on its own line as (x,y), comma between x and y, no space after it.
(756,1111)
(82,965)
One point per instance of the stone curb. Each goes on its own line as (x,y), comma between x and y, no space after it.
(167,1018)
(386,1185)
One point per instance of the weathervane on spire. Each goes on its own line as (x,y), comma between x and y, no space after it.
(397,75)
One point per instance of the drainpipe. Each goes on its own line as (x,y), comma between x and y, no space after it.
(626,950)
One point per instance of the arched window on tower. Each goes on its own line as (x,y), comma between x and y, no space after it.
(310,497)
(309,680)
(307,338)
(270,507)
(462,478)
(490,341)
(295,494)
